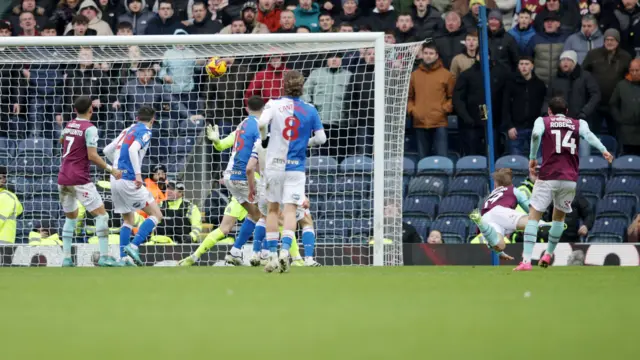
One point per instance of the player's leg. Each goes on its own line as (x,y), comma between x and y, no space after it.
(562,198)
(292,197)
(228,222)
(246,230)
(274,188)
(145,229)
(260,250)
(128,223)
(70,208)
(489,233)
(102,231)
(541,198)
(308,239)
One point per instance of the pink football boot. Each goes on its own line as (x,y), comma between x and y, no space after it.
(545,261)
(524,266)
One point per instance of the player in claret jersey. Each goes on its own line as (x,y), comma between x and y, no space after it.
(560,136)
(80,141)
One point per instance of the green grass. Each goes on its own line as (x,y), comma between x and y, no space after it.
(320,313)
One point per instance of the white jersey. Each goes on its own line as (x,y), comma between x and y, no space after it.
(112,151)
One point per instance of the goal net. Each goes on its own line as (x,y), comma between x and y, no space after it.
(354,181)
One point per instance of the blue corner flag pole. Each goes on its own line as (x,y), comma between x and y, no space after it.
(486,74)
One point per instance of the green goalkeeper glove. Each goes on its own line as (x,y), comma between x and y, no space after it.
(213,134)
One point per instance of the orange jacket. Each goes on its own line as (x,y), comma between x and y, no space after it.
(153,188)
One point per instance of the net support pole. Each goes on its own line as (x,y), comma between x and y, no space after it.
(378,150)
(486,75)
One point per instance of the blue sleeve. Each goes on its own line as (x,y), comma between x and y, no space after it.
(317,123)
(523,200)
(591,138)
(143,137)
(536,138)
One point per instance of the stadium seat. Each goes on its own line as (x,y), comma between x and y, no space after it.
(52,166)
(609,142)
(322,164)
(454,231)
(408,167)
(317,202)
(472,165)
(43,147)
(606,230)
(456,205)
(594,165)
(45,185)
(590,184)
(353,183)
(419,206)
(190,128)
(321,183)
(182,145)
(330,231)
(592,199)
(159,147)
(23,186)
(435,165)
(29,165)
(357,164)
(420,224)
(428,185)
(626,165)
(7,151)
(453,156)
(519,164)
(362,227)
(342,207)
(43,204)
(616,206)
(623,185)
(175,163)
(475,186)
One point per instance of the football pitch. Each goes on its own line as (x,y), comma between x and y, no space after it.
(320,313)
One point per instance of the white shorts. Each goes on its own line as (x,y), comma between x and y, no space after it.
(87,194)
(127,198)
(238,189)
(560,192)
(285,187)
(263,204)
(503,220)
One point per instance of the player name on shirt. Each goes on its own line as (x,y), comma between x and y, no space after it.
(73,129)
(554,123)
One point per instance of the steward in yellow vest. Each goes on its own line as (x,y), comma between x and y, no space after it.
(10,209)
(45,235)
(182,221)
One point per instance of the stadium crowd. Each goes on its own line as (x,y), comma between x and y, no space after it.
(579,49)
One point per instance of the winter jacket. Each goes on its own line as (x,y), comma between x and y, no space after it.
(179,63)
(579,89)
(256,28)
(461,62)
(406,37)
(270,18)
(504,48)
(97,24)
(546,49)
(627,23)
(522,36)
(309,18)
(359,102)
(569,18)
(207,26)
(470,22)
(90,82)
(12,85)
(357,19)
(382,21)
(523,100)
(625,109)
(428,25)
(450,44)
(226,93)
(14,19)
(110,14)
(266,84)
(135,94)
(139,21)
(608,69)
(325,88)
(581,45)
(62,16)
(157,26)
(430,96)
(507,8)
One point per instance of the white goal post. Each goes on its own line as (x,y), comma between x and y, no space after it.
(45,72)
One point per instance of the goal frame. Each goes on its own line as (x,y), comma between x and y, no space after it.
(377,38)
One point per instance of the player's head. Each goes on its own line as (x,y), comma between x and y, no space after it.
(83,107)
(255,104)
(557,106)
(146,114)
(293,83)
(503,177)
(175,190)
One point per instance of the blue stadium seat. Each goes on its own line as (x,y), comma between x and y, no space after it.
(623,185)
(592,199)
(475,186)
(7,151)
(342,207)
(175,163)
(321,183)
(408,167)
(43,147)
(452,123)
(23,186)
(317,202)
(626,165)
(330,231)
(322,164)
(519,164)
(608,230)
(616,206)
(43,204)
(190,128)
(427,185)
(357,164)
(353,183)
(435,165)
(29,165)
(454,231)
(45,185)
(590,184)
(362,228)
(420,224)
(419,206)
(52,167)
(453,156)
(609,142)
(456,205)
(472,165)
(594,165)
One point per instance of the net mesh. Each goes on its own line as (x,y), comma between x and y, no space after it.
(39,85)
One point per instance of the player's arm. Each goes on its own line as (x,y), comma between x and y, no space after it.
(536,138)
(110,150)
(225,143)
(134,157)
(523,200)
(91,139)
(195,218)
(593,140)
(251,171)
(319,136)
(265,119)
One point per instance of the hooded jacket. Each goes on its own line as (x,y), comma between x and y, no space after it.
(206,26)
(157,26)
(309,18)
(267,83)
(140,20)
(97,24)
(430,96)
(582,45)
(325,88)
(179,63)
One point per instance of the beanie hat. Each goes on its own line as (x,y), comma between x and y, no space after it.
(495,14)
(344,1)
(569,54)
(478,2)
(612,33)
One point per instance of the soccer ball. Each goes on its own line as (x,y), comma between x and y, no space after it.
(216,67)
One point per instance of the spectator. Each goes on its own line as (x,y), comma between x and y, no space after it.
(427,20)
(588,38)
(202,21)
(383,17)
(545,47)
(64,13)
(165,23)
(138,15)
(405,32)
(467,58)
(578,222)
(351,14)
(430,94)
(325,88)
(80,27)
(623,17)
(44,233)
(632,230)
(215,9)
(269,15)
(523,32)
(326,22)
(44,96)
(469,104)
(10,209)
(89,9)
(156,183)
(524,96)
(109,13)
(609,65)
(579,89)
(450,41)
(566,12)
(268,83)
(124,29)
(302,30)
(503,47)
(625,108)
(307,13)
(12,94)
(182,222)
(470,19)
(27,6)
(287,22)
(435,237)
(28,25)
(345,27)
(359,103)
(248,14)
(507,9)
(49,29)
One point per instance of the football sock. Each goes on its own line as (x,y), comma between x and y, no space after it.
(125,238)
(287,239)
(245,232)
(530,236)
(555,233)
(295,249)
(144,230)
(259,234)
(102,231)
(488,232)
(308,240)
(272,242)
(68,230)
(210,241)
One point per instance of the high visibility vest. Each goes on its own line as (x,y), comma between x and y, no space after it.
(35,239)
(181,222)
(10,209)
